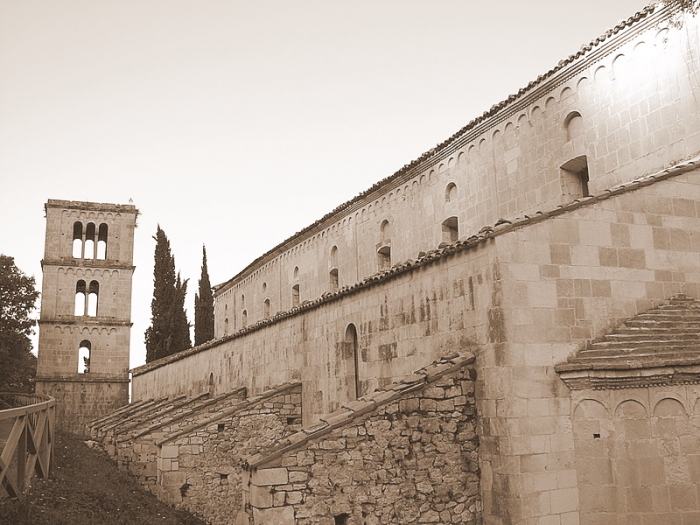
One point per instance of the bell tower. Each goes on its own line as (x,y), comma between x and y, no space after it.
(85,320)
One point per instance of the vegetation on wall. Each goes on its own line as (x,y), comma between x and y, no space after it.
(204,306)
(169,331)
(18,296)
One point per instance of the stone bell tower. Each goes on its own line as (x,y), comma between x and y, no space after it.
(85,320)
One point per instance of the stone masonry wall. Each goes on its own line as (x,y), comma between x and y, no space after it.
(638,455)
(199,467)
(628,105)
(522,298)
(404,455)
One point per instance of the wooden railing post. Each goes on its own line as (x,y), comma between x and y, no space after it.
(27,440)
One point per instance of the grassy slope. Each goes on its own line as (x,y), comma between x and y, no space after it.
(86,488)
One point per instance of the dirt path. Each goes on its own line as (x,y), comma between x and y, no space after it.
(86,488)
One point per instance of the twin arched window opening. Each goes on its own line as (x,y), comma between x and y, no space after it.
(89,242)
(86,298)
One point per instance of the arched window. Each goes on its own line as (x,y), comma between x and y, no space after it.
(84,357)
(450,192)
(385,231)
(573,124)
(92,298)
(78,240)
(244,318)
(353,375)
(80,296)
(296,272)
(89,250)
(450,230)
(266,308)
(295,295)
(226,326)
(102,242)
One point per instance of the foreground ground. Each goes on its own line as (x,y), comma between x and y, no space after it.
(86,488)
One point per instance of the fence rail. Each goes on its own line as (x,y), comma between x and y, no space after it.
(26,440)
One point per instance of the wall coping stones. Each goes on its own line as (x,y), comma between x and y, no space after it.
(657,347)
(243,405)
(365,404)
(486,234)
(145,407)
(185,413)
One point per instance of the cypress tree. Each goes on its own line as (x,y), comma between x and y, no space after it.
(203,306)
(169,330)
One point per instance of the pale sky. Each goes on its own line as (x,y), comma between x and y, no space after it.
(235,124)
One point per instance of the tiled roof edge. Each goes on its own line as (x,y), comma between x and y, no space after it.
(486,233)
(434,152)
(355,409)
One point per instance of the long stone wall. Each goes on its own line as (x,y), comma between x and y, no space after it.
(626,104)
(521,297)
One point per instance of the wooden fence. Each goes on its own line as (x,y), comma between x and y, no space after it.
(26,440)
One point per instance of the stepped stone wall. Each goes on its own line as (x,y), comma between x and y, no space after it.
(407,454)
(190,451)
(199,466)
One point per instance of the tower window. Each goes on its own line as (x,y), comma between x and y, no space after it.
(266,308)
(574,179)
(84,357)
(78,240)
(334,279)
(80,296)
(226,326)
(92,298)
(450,230)
(102,242)
(89,249)
(244,317)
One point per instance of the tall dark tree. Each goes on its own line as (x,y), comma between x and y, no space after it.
(204,306)
(169,331)
(18,296)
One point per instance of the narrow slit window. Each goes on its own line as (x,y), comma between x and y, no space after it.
(80,295)
(295,295)
(89,252)
(102,242)
(450,230)
(84,357)
(266,308)
(451,192)
(244,318)
(334,279)
(574,179)
(384,258)
(92,299)
(78,240)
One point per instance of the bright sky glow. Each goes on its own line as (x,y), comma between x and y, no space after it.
(235,124)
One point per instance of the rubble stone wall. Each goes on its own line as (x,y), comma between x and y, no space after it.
(200,470)
(413,459)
